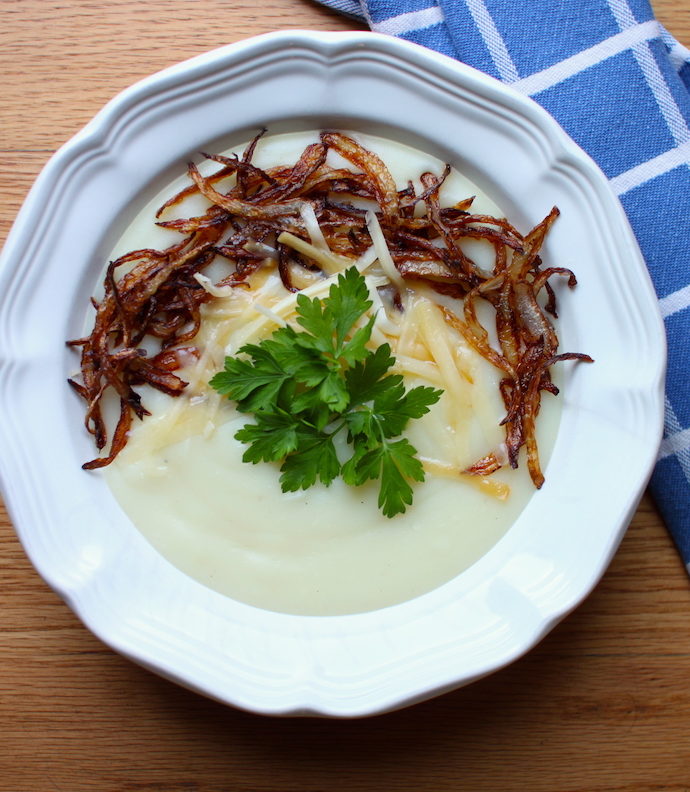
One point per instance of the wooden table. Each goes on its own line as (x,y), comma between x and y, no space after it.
(602,704)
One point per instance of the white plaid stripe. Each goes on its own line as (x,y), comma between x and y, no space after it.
(655,79)
(677,53)
(493,40)
(597,53)
(677,440)
(654,167)
(677,444)
(674,302)
(412,20)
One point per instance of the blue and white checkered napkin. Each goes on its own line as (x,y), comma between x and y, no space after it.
(619,84)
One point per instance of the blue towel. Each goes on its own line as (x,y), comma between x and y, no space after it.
(619,84)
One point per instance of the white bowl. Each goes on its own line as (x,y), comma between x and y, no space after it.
(139,604)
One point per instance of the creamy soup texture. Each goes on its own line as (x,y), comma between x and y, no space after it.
(324,551)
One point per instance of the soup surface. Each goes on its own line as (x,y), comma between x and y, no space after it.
(326,550)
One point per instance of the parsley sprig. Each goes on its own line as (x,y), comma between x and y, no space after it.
(305,387)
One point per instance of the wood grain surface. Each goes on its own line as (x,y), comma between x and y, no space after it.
(602,704)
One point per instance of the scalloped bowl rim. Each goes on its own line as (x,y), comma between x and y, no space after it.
(492,613)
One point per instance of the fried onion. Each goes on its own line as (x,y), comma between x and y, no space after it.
(160,292)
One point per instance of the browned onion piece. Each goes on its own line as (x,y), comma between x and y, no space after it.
(457,259)
(531,409)
(284,269)
(238,207)
(542,282)
(532,320)
(189,225)
(432,184)
(413,268)
(506,325)
(173,359)
(484,232)
(385,189)
(193,189)
(119,438)
(312,158)
(338,180)
(523,262)
(484,466)
(476,336)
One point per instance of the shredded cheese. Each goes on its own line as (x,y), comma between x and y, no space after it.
(269,314)
(425,347)
(287,306)
(308,216)
(208,286)
(435,336)
(424,369)
(383,323)
(329,262)
(383,254)
(493,487)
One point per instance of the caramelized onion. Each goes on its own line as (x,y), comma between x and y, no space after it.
(160,292)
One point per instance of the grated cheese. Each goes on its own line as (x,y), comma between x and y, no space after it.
(313,228)
(383,254)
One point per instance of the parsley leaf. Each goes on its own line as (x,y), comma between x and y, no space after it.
(315,458)
(366,378)
(398,465)
(304,388)
(272,437)
(254,386)
(347,302)
(395,464)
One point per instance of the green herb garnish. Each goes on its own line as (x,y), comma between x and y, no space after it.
(304,388)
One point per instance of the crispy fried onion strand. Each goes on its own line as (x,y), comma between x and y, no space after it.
(527,341)
(157,294)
